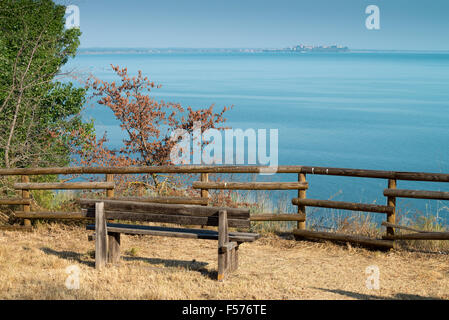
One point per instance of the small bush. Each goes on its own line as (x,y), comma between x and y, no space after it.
(133,252)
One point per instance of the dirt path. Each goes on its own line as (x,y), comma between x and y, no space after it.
(33,266)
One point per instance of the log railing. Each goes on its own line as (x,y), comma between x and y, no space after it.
(204,185)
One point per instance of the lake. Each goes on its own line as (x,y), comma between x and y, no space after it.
(366,110)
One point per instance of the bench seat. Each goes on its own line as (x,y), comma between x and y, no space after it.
(175,232)
(107,234)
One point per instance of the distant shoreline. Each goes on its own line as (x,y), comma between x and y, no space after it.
(93,51)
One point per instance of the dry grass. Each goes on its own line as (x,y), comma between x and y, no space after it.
(32,266)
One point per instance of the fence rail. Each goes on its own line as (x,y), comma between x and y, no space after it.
(204,185)
(251,185)
(416,194)
(64,186)
(352,206)
(361,173)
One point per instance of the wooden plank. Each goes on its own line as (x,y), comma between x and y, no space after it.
(16,228)
(348,172)
(52,215)
(202,234)
(186,235)
(175,229)
(278,217)
(139,231)
(392,225)
(14,201)
(211,220)
(113,247)
(362,173)
(223,239)
(419,236)
(416,194)
(166,200)
(306,234)
(162,208)
(101,239)
(63,186)
(250,185)
(343,205)
(116,215)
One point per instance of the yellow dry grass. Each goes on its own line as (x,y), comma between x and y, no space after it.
(33,266)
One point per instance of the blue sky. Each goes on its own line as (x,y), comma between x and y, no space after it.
(405,25)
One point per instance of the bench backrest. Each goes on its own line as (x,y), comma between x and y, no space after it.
(166,213)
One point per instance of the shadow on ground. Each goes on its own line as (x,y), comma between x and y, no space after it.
(191,265)
(361,296)
(69,255)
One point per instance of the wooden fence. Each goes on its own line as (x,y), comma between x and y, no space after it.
(204,185)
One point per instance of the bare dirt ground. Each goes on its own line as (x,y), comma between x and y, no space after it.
(33,266)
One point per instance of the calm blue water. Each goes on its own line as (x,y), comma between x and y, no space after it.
(358,110)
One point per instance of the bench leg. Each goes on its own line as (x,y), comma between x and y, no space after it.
(222,266)
(231,256)
(228,252)
(227,259)
(235,258)
(101,239)
(223,239)
(113,247)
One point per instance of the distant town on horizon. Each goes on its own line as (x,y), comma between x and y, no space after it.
(301,48)
(297,48)
(312,48)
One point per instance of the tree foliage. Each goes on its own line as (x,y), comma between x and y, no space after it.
(34,101)
(147,123)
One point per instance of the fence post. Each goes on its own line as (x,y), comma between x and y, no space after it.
(391,202)
(110,192)
(302,195)
(26,195)
(205,192)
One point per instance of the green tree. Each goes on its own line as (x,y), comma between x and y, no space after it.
(38,110)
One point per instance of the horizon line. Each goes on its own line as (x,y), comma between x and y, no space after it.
(246,48)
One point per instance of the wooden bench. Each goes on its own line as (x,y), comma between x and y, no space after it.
(107,235)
